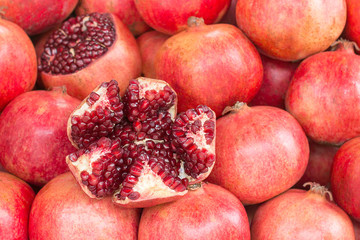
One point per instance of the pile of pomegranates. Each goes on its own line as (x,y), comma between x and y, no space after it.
(183,120)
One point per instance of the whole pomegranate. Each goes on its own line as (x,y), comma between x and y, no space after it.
(291,30)
(302,215)
(36,16)
(171,16)
(33,143)
(345,177)
(352,28)
(215,65)
(208,213)
(261,152)
(16,198)
(18,62)
(62,211)
(86,50)
(323,95)
(125,10)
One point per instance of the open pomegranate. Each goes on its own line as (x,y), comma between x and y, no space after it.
(136,148)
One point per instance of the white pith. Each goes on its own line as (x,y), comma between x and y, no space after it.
(83,163)
(103,101)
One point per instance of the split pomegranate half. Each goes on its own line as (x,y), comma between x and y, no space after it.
(137,148)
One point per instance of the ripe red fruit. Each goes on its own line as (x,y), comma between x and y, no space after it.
(16,198)
(209,212)
(302,215)
(61,210)
(291,30)
(345,177)
(171,16)
(36,16)
(125,10)
(87,49)
(18,62)
(352,28)
(33,143)
(261,152)
(215,65)
(323,95)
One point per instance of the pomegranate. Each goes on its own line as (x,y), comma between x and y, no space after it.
(136,148)
(323,95)
(261,152)
(125,10)
(276,80)
(15,202)
(18,64)
(209,212)
(352,28)
(356,229)
(86,49)
(61,210)
(171,16)
(302,215)
(215,65)
(149,44)
(294,29)
(36,16)
(345,177)
(230,16)
(33,143)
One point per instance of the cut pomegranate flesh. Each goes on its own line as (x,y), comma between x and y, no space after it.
(141,152)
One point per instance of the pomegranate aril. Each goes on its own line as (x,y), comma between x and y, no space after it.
(134,195)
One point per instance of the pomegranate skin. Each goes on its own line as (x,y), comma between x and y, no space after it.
(301,215)
(210,212)
(261,152)
(18,68)
(122,62)
(61,209)
(171,16)
(352,28)
(215,65)
(36,16)
(16,198)
(323,95)
(125,10)
(345,177)
(304,27)
(34,143)
(149,44)
(276,80)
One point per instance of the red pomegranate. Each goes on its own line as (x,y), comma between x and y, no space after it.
(36,16)
(215,65)
(323,95)
(16,198)
(33,143)
(18,65)
(61,210)
(345,177)
(302,215)
(171,16)
(209,212)
(261,152)
(352,28)
(125,10)
(294,29)
(149,44)
(276,80)
(87,50)
(230,16)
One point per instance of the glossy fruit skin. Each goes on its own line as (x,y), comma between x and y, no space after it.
(36,16)
(36,153)
(210,212)
(215,65)
(16,198)
(63,204)
(18,68)
(323,95)
(345,177)
(261,152)
(125,10)
(171,16)
(304,28)
(352,28)
(301,215)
